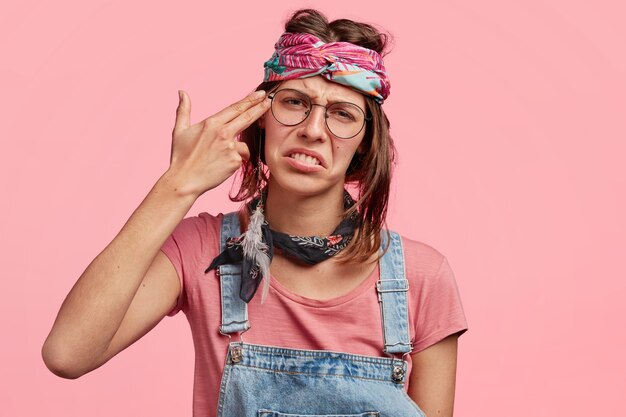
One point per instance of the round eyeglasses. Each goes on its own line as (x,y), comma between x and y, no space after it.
(291,107)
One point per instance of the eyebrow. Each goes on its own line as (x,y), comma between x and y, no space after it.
(328,101)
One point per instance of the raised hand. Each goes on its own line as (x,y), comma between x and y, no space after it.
(205,154)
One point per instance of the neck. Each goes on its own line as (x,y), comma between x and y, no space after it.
(316,215)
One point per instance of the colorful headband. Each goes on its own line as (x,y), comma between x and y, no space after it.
(302,55)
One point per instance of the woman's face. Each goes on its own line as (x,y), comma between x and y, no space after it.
(286,146)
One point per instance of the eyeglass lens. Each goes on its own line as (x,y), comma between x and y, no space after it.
(291,107)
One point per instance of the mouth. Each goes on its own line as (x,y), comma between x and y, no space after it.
(305,160)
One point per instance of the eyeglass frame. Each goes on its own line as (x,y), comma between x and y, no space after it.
(273,94)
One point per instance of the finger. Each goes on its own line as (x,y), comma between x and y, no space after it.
(248,117)
(183,111)
(235,109)
(242,150)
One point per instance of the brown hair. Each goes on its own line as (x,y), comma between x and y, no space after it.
(369,171)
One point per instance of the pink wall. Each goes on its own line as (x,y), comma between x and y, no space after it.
(510,124)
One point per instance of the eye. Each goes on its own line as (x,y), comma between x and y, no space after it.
(294,102)
(345,115)
(342,113)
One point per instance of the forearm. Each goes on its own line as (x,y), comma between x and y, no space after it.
(95,307)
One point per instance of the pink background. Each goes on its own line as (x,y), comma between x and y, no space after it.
(510,124)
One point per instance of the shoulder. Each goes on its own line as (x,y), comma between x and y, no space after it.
(195,234)
(427,270)
(199,225)
(421,260)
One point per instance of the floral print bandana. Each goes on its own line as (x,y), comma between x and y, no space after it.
(302,55)
(307,249)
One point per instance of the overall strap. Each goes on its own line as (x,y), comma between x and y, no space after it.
(234,309)
(392,288)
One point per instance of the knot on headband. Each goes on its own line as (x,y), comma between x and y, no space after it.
(302,55)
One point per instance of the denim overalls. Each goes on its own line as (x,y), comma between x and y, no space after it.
(269,381)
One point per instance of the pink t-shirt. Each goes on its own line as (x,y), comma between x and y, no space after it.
(349,323)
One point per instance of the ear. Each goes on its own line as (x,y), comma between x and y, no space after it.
(261,122)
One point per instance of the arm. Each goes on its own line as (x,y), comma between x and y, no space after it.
(433,378)
(124,292)
(130,286)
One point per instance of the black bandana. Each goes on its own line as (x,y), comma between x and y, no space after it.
(307,249)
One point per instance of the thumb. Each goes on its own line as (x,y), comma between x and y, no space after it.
(182,111)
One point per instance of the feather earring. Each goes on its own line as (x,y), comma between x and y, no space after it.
(255,250)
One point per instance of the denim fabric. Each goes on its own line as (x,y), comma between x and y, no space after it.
(270,381)
(392,288)
(234,309)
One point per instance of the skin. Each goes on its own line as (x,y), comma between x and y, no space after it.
(433,378)
(131,285)
(308,203)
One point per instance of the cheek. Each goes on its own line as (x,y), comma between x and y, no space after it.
(345,152)
(265,119)
(342,158)
(271,139)
(272,143)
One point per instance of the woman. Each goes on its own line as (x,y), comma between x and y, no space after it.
(352,321)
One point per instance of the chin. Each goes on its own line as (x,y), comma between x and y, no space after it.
(305,186)
(302,188)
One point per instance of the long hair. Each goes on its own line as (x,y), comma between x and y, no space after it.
(370,171)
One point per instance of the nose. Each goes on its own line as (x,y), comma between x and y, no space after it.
(314,127)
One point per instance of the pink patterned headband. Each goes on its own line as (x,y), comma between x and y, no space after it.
(302,55)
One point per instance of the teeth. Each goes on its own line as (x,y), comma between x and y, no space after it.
(305,158)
